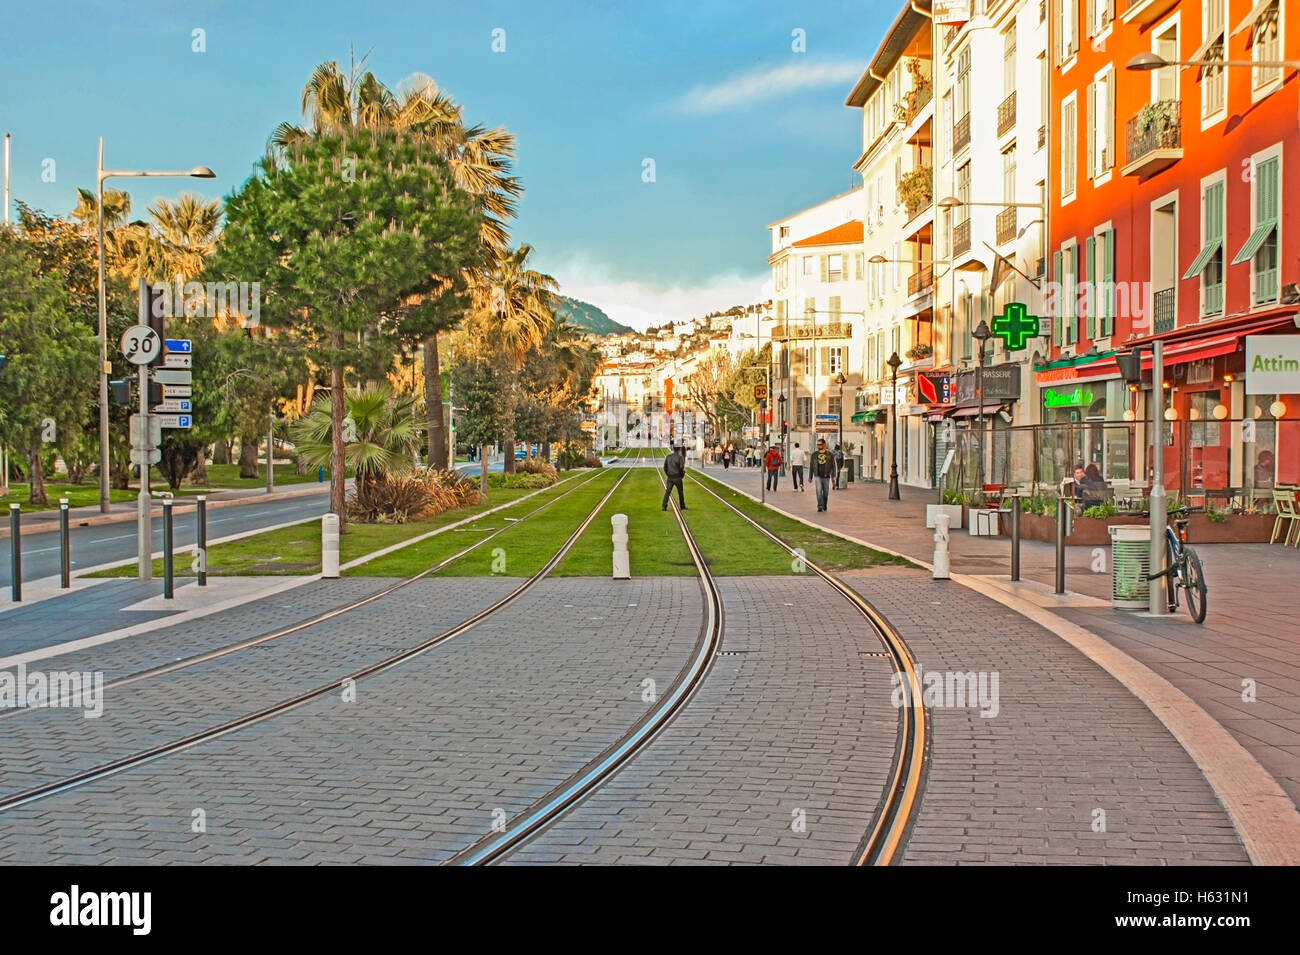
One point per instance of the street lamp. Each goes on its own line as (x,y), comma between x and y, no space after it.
(893,363)
(841,381)
(1145,62)
(785,431)
(981,335)
(105,369)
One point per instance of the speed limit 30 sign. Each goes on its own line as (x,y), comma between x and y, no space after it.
(140,344)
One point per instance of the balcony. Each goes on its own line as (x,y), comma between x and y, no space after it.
(809,330)
(1146,12)
(1163,306)
(920,281)
(914,100)
(961,134)
(961,237)
(916,190)
(1006,225)
(1007,115)
(1042,136)
(1154,138)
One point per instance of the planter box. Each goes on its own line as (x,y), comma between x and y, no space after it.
(1092,531)
(954,512)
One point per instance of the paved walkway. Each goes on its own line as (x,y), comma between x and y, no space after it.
(1242,666)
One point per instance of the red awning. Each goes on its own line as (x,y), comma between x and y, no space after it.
(975,410)
(939,412)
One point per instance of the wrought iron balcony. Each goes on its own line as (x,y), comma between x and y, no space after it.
(1042,136)
(1006,225)
(921,280)
(1163,306)
(961,134)
(1154,138)
(1007,114)
(961,237)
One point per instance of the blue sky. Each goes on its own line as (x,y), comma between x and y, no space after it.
(742,130)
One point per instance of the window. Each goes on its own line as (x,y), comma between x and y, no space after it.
(785,232)
(1214,79)
(1100,15)
(963,84)
(1101,124)
(803,412)
(963,193)
(835,361)
(834,404)
(857,266)
(1262,246)
(1009,175)
(1068,148)
(1208,264)
(834,267)
(1266,44)
(1067,30)
(947,122)
(1009,61)
(1205,430)
(807,265)
(1164,83)
(1065,270)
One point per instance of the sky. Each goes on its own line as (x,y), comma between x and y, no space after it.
(741,129)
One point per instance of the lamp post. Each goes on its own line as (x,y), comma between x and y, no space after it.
(1145,62)
(894,362)
(981,335)
(105,369)
(785,430)
(841,381)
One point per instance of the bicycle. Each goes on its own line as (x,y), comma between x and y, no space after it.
(1183,569)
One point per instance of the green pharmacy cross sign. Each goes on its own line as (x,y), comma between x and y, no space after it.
(1016,326)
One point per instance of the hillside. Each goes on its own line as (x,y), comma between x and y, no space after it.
(588,316)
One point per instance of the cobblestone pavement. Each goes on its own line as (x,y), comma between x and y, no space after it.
(416,767)
(1069,750)
(781,757)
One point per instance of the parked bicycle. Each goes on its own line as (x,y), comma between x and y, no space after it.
(1183,568)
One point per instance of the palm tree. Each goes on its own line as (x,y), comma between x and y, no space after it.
(188,229)
(381,429)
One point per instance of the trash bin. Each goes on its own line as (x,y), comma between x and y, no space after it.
(849,463)
(1130,559)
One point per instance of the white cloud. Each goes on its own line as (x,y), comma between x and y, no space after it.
(641,305)
(767,82)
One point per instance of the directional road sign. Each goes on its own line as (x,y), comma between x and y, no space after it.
(176,360)
(175,405)
(154,456)
(140,344)
(155,433)
(176,345)
(173,376)
(177,391)
(174,420)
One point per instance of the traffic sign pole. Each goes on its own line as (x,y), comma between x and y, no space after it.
(144,519)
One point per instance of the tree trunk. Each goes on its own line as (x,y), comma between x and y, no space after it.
(546,449)
(483,468)
(248,457)
(338,411)
(199,473)
(433,405)
(36,479)
(221,452)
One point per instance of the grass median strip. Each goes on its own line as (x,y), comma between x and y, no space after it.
(655,546)
(827,550)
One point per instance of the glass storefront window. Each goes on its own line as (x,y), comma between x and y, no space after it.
(1206,431)
(1261,454)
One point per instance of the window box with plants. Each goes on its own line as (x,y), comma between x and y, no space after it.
(919,352)
(916,189)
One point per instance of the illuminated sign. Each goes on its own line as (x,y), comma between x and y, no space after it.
(1078,398)
(934,389)
(1015,326)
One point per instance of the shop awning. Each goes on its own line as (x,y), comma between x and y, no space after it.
(939,412)
(975,410)
(863,417)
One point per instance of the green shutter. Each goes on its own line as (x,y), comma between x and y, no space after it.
(1094,301)
(1108,281)
(1058,319)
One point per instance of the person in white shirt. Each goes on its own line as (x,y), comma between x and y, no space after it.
(797,461)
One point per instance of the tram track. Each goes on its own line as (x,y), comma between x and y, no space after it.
(159,751)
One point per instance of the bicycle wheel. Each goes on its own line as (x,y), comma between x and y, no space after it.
(1172,578)
(1194,584)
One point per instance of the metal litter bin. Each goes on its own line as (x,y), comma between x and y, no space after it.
(1130,560)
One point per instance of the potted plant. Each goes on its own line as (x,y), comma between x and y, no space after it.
(915,189)
(954,505)
(918,351)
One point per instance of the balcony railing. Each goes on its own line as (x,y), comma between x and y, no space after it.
(1154,138)
(1007,114)
(961,134)
(921,280)
(961,237)
(1163,307)
(809,330)
(914,100)
(1042,136)
(1006,225)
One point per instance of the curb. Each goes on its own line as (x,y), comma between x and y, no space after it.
(1265,818)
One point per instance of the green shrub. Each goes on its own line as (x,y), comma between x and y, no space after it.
(537,466)
(591,461)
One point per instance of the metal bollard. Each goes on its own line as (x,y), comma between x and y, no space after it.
(65,545)
(16,552)
(1062,516)
(622,560)
(329,545)
(202,546)
(942,568)
(1015,538)
(169,576)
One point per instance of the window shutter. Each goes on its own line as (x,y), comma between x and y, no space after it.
(1060,34)
(1092,128)
(1112,144)
(1090,263)
(825,266)
(1108,280)
(1269,191)
(1058,306)
(825,360)
(1092,16)
(1072,329)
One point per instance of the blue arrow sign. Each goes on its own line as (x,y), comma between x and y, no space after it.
(180,345)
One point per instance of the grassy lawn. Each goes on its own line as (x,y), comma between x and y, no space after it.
(78,495)
(655,546)
(296,549)
(222,477)
(831,552)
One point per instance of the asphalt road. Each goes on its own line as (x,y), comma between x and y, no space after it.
(103,543)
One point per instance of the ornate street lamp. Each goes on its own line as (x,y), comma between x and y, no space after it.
(893,363)
(785,431)
(981,335)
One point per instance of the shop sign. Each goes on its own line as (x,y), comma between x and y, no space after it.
(951,11)
(1001,383)
(935,389)
(1272,364)
(1078,398)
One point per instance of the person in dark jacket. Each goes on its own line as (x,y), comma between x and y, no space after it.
(675,469)
(822,467)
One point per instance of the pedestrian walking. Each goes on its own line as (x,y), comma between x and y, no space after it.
(772,461)
(839,466)
(675,469)
(797,461)
(726,458)
(823,469)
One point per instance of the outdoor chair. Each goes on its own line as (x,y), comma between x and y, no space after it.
(1284,500)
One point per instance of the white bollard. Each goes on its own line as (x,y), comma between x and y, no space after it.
(941,568)
(622,561)
(329,545)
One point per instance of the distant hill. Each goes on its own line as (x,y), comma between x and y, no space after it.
(588,316)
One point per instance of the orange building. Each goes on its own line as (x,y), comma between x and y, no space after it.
(1167,220)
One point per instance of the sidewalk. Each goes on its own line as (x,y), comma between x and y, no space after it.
(1242,666)
(36,522)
